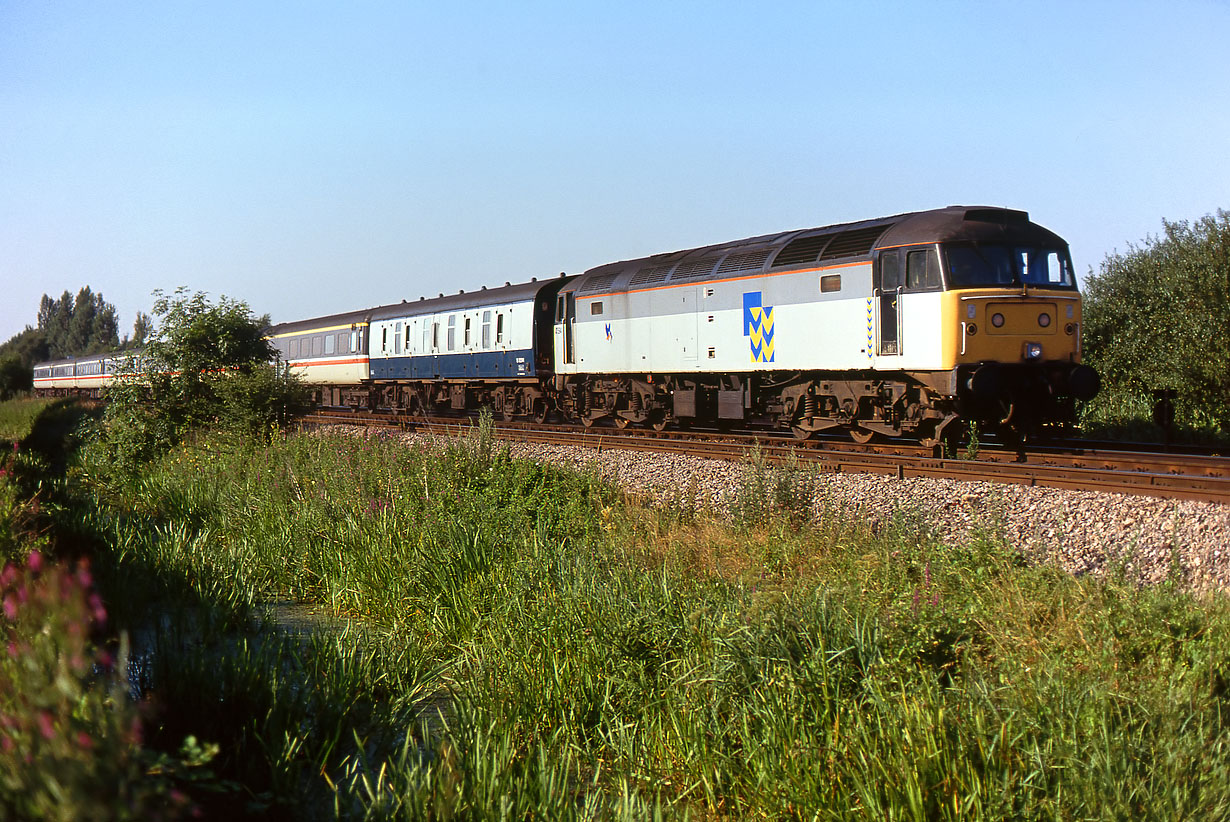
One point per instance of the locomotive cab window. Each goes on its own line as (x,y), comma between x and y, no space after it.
(988,266)
(830,283)
(595,307)
(922,270)
(890,271)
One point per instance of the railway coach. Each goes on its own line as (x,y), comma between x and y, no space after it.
(82,376)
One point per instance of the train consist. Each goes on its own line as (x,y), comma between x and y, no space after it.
(902,326)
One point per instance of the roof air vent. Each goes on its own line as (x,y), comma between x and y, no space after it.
(1004,216)
(802,251)
(856,242)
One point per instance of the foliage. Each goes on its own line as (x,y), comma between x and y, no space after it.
(85,325)
(206,365)
(1156,317)
(15,377)
(511,640)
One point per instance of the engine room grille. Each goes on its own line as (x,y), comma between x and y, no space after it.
(650,275)
(598,284)
(857,242)
(748,261)
(802,251)
(694,271)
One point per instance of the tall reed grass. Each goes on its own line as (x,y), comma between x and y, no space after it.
(513,640)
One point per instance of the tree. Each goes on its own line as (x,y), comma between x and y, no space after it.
(1158,315)
(142,326)
(85,325)
(205,366)
(15,376)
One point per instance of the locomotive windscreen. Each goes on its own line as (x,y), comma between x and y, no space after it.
(989,266)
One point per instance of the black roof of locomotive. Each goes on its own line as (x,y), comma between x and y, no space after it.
(816,247)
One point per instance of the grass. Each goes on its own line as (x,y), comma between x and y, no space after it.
(533,645)
(17,418)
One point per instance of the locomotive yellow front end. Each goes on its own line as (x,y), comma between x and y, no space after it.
(1012,325)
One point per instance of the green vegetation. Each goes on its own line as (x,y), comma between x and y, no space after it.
(504,639)
(206,365)
(1156,317)
(17,418)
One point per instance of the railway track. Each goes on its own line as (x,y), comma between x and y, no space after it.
(1074,466)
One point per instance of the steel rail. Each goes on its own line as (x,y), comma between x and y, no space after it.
(1157,474)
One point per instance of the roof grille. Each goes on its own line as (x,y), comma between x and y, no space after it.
(694,271)
(857,242)
(595,285)
(650,275)
(748,261)
(996,215)
(801,251)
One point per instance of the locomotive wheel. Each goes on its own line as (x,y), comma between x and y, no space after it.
(540,411)
(659,421)
(861,435)
(587,421)
(799,432)
(621,422)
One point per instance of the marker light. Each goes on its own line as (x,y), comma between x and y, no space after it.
(1044,319)
(997,320)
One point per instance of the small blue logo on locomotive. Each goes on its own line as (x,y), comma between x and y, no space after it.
(758,326)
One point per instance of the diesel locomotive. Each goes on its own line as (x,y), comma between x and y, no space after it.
(911,325)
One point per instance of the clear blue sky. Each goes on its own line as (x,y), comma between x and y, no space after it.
(311,157)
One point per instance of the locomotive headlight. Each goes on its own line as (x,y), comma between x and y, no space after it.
(1033,351)
(997,320)
(1044,319)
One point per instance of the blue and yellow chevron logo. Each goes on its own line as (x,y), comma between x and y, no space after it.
(758,326)
(871,327)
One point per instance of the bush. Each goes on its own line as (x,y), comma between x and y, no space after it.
(1156,317)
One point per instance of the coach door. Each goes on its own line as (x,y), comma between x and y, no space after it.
(888,282)
(565,327)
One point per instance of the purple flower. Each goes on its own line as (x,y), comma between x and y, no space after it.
(35,562)
(45,725)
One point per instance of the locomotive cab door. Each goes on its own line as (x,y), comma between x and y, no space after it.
(565,328)
(888,289)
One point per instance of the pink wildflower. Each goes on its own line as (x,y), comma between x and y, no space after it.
(45,726)
(84,740)
(9,575)
(35,562)
(10,608)
(96,606)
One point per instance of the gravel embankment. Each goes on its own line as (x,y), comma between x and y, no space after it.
(1085,532)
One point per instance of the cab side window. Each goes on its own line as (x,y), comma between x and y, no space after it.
(890,271)
(922,270)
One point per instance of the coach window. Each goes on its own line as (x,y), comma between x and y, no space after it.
(294,350)
(486,329)
(384,339)
(330,343)
(499,328)
(922,270)
(830,283)
(397,339)
(452,331)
